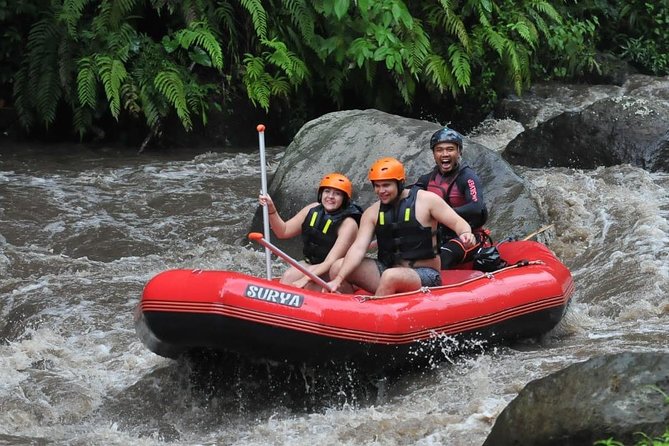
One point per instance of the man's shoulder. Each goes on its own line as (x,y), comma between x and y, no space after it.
(424,179)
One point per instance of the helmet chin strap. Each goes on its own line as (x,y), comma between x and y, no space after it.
(400,188)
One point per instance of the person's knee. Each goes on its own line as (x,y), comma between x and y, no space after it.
(290,275)
(390,275)
(451,254)
(334,268)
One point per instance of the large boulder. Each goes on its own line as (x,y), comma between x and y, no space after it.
(608,396)
(585,126)
(608,132)
(545,101)
(350,141)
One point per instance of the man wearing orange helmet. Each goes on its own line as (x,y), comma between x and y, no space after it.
(328,228)
(404,222)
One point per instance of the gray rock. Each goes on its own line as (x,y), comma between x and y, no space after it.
(609,132)
(615,396)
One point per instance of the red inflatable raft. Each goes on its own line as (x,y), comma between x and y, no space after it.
(183,311)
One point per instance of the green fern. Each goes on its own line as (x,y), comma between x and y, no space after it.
(70,13)
(416,49)
(86,82)
(461,66)
(149,107)
(169,84)
(301,15)
(82,120)
(258,16)
(112,72)
(286,60)
(118,10)
(130,98)
(439,73)
(199,34)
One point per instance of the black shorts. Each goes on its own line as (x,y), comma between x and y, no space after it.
(428,276)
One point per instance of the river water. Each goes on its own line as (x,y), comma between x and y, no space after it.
(82,231)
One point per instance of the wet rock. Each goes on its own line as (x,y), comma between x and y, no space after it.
(609,132)
(545,101)
(614,395)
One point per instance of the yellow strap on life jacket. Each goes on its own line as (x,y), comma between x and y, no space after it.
(382,218)
(327,226)
(313,219)
(407,214)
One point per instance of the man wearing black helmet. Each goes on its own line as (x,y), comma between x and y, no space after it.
(457,183)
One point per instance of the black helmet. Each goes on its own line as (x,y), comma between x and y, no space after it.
(446,135)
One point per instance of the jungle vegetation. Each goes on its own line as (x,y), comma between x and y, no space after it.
(98,66)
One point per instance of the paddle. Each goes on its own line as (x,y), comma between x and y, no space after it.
(257,237)
(537,232)
(265,210)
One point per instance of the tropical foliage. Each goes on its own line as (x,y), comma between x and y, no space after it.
(109,63)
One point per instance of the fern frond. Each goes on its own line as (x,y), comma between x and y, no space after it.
(301,16)
(258,16)
(100,23)
(149,108)
(70,13)
(199,34)
(82,120)
(86,82)
(22,96)
(257,81)
(548,10)
(496,41)
(445,4)
(122,40)
(119,9)
(461,67)
(405,86)
(454,26)
(417,48)
(41,40)
(67,67)
(48,94)
(170,85)
(112,72)
(335,80)
(225,17)
(439,73)
(514,66)
(280,86)
(525,30)
(286,60)
(130,98)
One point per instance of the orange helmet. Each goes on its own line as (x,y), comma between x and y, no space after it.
(386,169)
(336,181)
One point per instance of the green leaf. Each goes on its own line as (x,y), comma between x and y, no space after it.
(199,56)
(341,8)
(170,44)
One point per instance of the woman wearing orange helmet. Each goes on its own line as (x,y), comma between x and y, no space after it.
(328,228)
(404,222)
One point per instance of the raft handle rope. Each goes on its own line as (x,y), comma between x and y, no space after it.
(428,290)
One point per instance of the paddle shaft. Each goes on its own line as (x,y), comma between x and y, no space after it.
(265,210)
(291,261)
(537,232)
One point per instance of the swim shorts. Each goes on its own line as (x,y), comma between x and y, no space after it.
(428,276)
